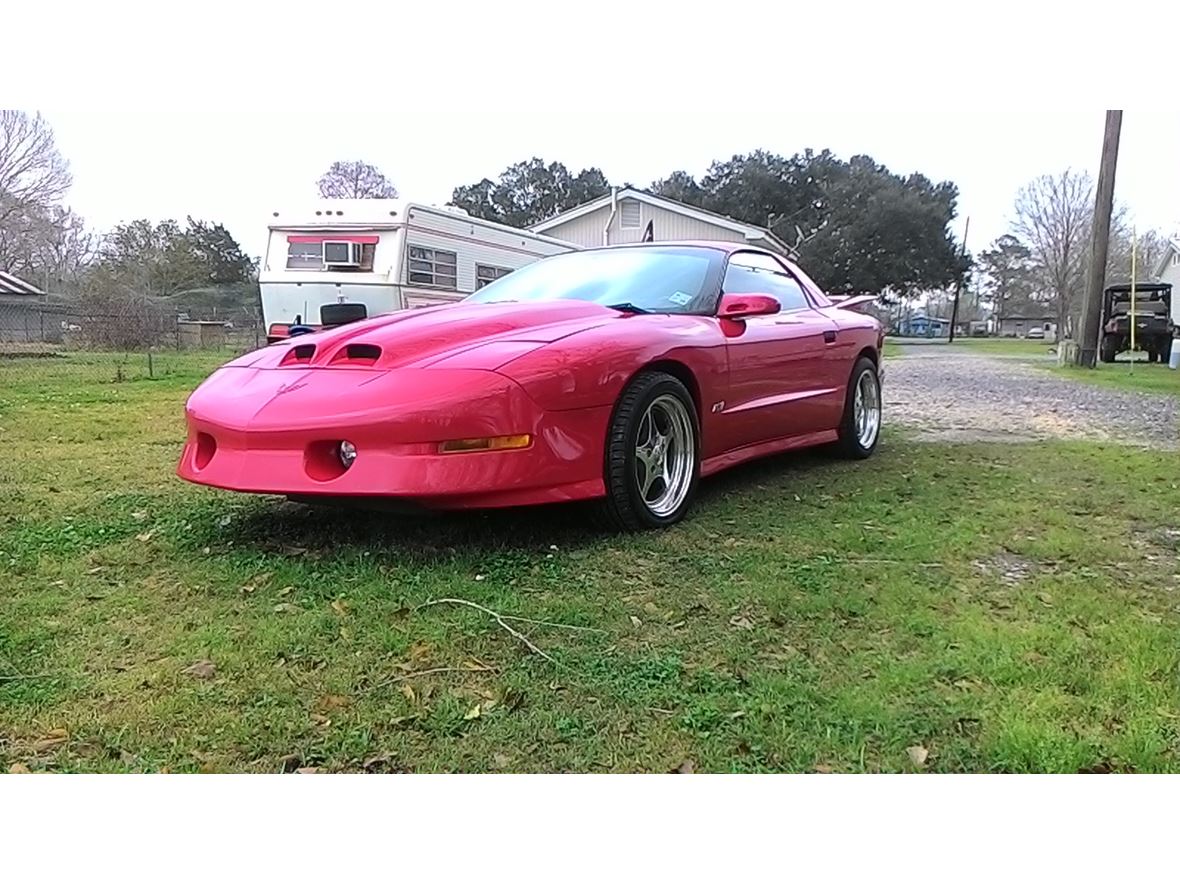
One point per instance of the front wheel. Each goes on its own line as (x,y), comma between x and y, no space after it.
(860,427)
(652,461)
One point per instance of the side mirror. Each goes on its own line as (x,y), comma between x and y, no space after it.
(738,307)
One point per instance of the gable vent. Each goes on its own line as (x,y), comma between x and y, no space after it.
(630,214)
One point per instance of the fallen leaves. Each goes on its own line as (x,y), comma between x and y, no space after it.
(201,670)
(512,700)
(741,622)
(51,741)
(377,763)
(18,768)
(685,767)
(340,607)
(917,754)
(144,537)
(474,713)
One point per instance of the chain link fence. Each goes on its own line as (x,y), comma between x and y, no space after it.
(117,341)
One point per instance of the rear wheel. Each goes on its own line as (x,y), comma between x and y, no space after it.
(860,427)
(1109,349)
(652,461)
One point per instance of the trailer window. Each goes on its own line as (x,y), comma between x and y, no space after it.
(485,273)
(310,256)
(433,267)
(305,256)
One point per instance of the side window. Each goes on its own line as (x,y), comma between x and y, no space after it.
(753,272)
(433,267)
(486,273)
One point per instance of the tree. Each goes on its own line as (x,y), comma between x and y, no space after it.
(1009,276)
(858,227)
(38,238)
(214,248)
(165,259)
(875,232)
(529,192)
(681,187)
(1150,246)
(354,180)
(1053,216)
(32,171)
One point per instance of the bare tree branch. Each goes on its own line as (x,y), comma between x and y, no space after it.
(354,180)
(1053,217)
(32,171)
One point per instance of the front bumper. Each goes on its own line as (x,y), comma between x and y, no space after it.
(277,431)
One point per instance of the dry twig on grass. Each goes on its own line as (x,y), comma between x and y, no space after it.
(500,619)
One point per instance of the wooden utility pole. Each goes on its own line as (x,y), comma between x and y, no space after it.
(1100,242)
(959,284)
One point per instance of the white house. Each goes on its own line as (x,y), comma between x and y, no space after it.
(630,215)
(1168,271)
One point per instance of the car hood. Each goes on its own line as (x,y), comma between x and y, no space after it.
(422,337)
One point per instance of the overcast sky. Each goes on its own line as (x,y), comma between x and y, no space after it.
(239,167)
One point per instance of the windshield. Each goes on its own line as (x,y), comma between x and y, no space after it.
(656,279)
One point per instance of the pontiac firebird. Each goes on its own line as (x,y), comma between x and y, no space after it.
(621,374)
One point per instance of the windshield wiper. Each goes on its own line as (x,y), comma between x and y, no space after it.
(628,307)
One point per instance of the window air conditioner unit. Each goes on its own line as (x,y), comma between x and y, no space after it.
(340,253)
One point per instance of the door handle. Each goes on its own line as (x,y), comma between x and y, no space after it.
(829,336)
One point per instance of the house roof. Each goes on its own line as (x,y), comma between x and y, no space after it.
(751,232)
(14,285)
(1173,248)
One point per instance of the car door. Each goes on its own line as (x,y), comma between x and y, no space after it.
(779,382)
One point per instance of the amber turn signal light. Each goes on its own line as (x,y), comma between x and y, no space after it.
(487,443)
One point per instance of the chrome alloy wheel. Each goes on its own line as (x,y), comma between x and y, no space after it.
(665,452)
(866,408)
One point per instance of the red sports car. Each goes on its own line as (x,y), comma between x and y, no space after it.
(622,374)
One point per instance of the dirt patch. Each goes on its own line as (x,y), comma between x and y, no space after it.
(1008,567)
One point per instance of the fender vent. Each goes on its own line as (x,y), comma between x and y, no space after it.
(362,354)
(300,354)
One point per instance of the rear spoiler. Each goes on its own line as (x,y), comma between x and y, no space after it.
(850,302)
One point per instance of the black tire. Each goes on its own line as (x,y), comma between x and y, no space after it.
(1166,351)
(1151,355)
(849,444)
(624,508)
(1109,349)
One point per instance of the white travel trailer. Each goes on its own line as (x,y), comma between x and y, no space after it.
(366,257)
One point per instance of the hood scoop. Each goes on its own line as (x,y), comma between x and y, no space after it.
(357,355)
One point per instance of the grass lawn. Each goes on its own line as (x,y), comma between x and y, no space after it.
(1010,346)
(1152,378)
(996,608)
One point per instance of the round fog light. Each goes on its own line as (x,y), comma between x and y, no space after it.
(347,453)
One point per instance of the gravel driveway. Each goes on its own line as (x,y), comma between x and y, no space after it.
(951,394)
